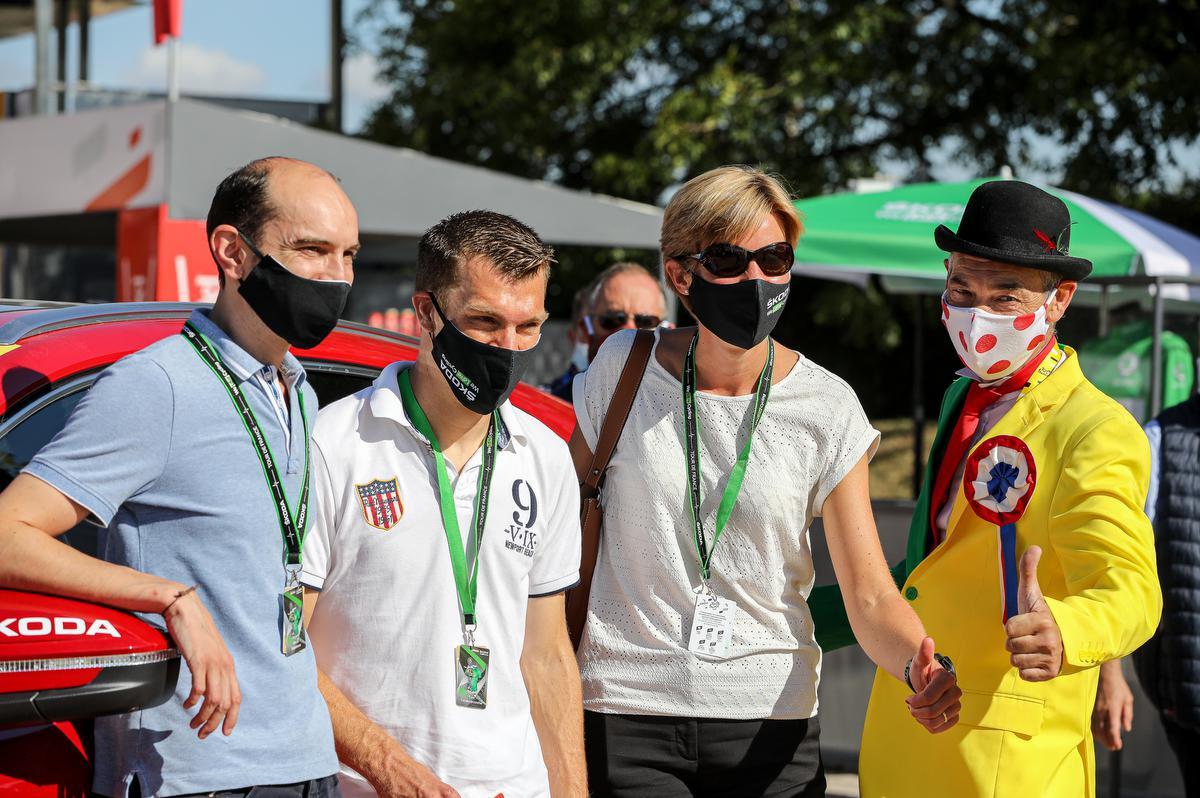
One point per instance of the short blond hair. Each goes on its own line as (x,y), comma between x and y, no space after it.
(723,205)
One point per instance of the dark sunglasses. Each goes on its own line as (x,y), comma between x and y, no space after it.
(730,260)
(617,319)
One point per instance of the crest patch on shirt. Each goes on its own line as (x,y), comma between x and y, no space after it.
(380,503)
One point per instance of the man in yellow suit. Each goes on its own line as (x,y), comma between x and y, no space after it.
(1030,559)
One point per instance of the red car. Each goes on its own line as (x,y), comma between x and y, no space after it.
(63,661)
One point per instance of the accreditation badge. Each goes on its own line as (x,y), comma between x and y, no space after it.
(471,676)
(293,620)
(712,626)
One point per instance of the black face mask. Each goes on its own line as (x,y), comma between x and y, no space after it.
(298,310)
(481,376)
(742,313)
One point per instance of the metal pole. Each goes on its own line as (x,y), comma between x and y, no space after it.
(1103,331)
(1156,365)
(337,52)
(60,23)
(42,14)
(172,69)
(918,393)
(85,29)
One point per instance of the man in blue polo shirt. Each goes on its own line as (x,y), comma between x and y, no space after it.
(194,453)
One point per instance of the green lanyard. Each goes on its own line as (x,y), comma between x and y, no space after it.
(466,584)
(733,487)
(292,527)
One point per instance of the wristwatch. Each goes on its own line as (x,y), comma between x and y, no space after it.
(941,659)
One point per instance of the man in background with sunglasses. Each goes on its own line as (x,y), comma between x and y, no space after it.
(625,296)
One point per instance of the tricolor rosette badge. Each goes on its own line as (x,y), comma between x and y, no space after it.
(998,482)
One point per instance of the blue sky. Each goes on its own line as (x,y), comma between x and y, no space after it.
(268,48)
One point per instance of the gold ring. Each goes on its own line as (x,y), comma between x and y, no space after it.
(945,720)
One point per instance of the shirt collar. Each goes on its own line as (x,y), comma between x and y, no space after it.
(241,363)
(385,402)
(970,375)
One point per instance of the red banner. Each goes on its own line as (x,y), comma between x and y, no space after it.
(137,258)
(168,20)
(163,258)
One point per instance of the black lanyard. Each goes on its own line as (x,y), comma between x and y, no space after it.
(291,527)
(466,575)
(734,486)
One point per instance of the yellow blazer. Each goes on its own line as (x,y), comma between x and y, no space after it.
(1098,574)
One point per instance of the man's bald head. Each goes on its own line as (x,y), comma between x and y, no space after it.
(245,199)
(287,208)
(280,191)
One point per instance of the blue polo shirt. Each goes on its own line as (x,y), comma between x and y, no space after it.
(156,451)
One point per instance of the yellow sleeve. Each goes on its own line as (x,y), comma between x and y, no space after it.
(1105,544)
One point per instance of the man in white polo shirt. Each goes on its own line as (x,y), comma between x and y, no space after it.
(446,532)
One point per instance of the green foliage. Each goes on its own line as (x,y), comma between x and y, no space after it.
(630,97)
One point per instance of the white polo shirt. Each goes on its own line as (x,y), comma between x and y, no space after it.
(387,622)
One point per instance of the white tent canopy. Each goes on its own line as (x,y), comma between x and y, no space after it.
(157,153)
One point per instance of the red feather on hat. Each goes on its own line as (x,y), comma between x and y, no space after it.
(1046,240)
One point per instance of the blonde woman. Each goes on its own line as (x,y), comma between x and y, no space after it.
(698,659)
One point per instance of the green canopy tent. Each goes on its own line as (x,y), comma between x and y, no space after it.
(890,233)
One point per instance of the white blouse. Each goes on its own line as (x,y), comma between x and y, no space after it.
(634,656)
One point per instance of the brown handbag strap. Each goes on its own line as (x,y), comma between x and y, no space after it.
(618,410)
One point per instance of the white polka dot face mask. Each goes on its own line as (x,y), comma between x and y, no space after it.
(992,345)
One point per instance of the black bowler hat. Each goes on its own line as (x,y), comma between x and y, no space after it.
(1014,222)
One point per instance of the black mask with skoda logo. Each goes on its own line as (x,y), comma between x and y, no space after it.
(481,376)
(742,314)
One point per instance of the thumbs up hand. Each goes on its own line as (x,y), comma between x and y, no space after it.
(938,699)
(1034,639)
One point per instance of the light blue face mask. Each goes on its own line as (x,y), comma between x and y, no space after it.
(579,356)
